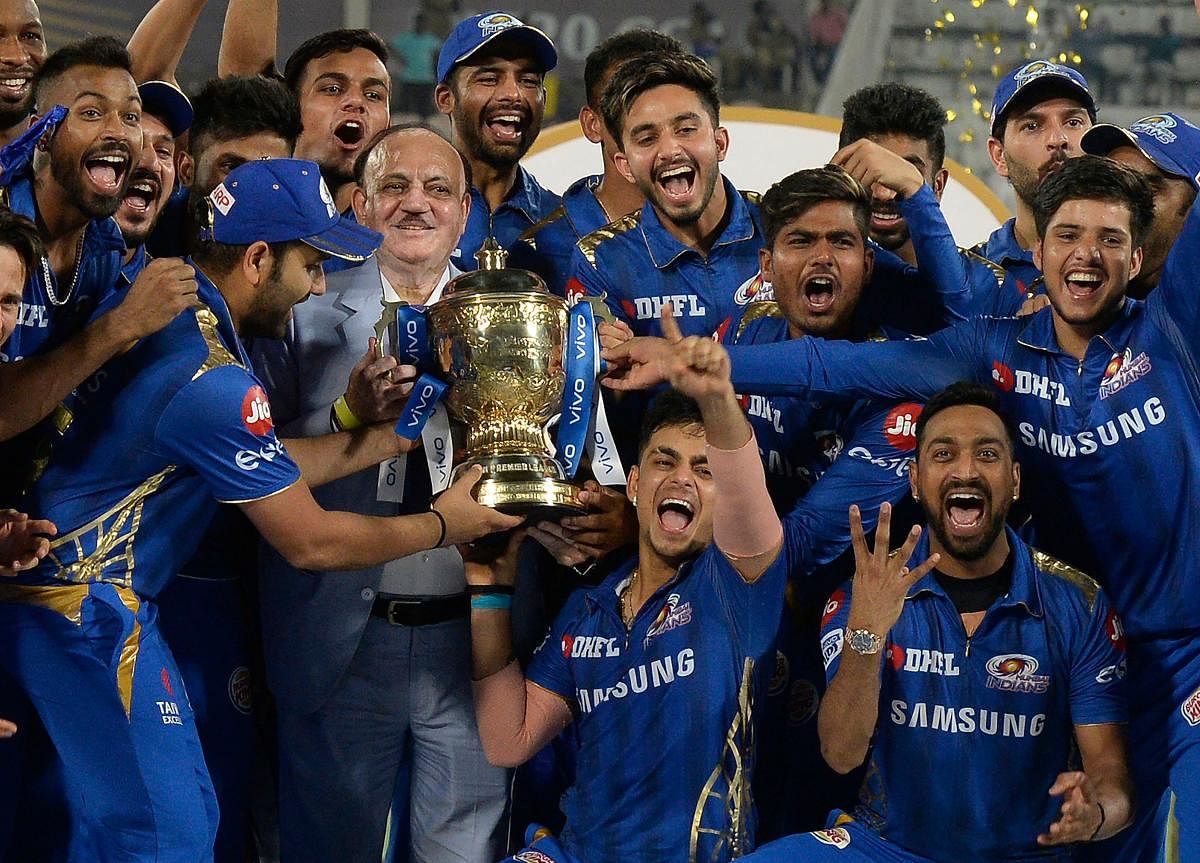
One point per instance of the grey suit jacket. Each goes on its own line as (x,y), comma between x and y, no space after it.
(313,622)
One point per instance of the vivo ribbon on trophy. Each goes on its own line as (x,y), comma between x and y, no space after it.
(505,357)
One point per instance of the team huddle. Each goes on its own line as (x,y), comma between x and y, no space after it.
(896,569)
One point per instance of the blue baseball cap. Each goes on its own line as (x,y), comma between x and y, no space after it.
(1167,140)
(1040,73)
(167,102)
(280,200)
(471,34)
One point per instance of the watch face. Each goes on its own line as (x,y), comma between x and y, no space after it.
(864,642)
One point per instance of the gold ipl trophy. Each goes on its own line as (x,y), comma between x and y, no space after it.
(498,338)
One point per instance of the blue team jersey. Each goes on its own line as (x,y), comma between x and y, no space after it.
(858,450)
(547,247)
(1093,436)
(982,726)
(526,205)
(999,274)
(664,713)
(636,265)
(43,324)
(148,446)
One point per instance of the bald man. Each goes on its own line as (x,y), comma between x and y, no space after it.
(371,667)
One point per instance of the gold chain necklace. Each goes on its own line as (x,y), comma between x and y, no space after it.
(627,609)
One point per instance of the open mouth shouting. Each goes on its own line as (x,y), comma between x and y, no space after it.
(507,126)
(820,291)
(1082,283)
(966,512)
(677,182)
(107,170)
(675,515)
(350,133)
(142,193)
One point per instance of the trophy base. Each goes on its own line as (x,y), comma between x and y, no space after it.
(526,485)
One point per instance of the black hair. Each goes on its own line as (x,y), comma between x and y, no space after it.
(965,393)
(616,50)
(669,408)
(797,193)
(103,51)
(360,163)
(21,235)
(326,43)
(1095,178)
(895,109)
(633,79)
(240,106)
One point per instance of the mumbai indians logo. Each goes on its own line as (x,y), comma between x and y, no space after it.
(1016,672)
(671,616)
(1037,69)
(1122,370)
(327,198)
(1157,128)
(493,24)
(754,289)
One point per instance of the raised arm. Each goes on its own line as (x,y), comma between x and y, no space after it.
(850,709)
(745,526)
(159,40)
(249,38)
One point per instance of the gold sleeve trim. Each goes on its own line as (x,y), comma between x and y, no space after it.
(751,197)
(588,243)
(755,311)
(998,271)
(1054,566)
(531,232)
(218,354)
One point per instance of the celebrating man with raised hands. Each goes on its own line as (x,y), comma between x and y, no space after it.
(1102,390)
(658,665)
(975,661)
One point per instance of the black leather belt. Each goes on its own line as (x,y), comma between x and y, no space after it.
(421,611)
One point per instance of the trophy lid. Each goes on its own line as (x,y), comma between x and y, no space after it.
(494,275)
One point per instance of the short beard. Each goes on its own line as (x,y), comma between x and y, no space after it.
(651,192)
(263,319)
(87,202)
(975,549)
(478,148)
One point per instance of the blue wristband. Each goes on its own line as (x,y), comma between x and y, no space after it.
(492,600)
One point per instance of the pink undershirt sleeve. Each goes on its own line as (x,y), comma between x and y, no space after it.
(744,520)
(516,718)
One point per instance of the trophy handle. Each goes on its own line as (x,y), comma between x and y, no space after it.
(385,322)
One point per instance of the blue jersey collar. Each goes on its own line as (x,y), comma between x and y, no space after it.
(102,235)
(130,270)
(664,248)
(1003,248)
(580,204)
(209,294)
(1024,593)
(1038,332)
(525,196)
